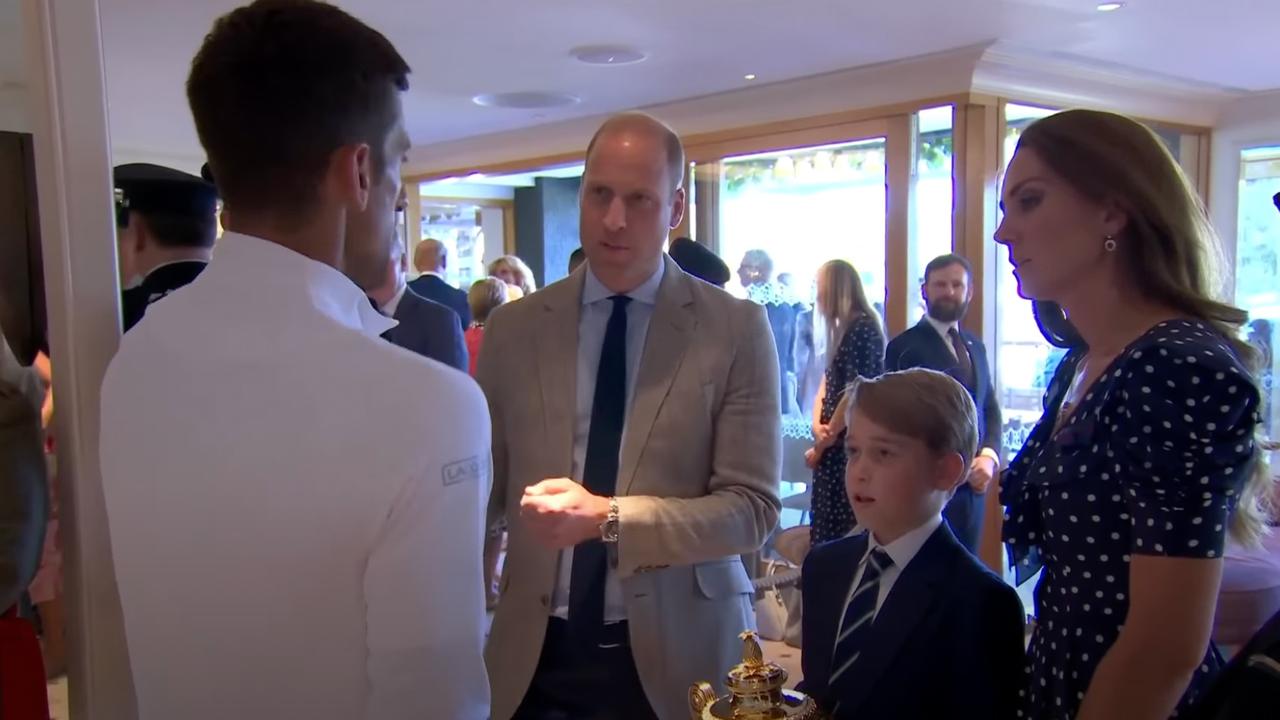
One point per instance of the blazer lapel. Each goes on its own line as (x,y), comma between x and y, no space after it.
(931,347)
(904,611)
(941,349)
(558,368)
(670,331)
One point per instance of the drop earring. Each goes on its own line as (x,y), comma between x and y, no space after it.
(1109,244)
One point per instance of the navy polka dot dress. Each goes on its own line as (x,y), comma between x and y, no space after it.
(1151,462)
(861,354)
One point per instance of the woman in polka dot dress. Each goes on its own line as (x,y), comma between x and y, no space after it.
(1145,456)
(855,346)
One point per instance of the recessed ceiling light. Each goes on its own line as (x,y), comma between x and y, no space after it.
(749,76)
(526,100)
(608,54)
(1109,6)
(475,176)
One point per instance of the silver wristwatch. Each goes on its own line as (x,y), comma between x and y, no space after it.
(609,528)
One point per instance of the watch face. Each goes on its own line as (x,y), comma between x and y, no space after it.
(609,531)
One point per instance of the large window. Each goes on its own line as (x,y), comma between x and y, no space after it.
(1258,265)
(1024,360)
(800,208)
(932,206)
(806,206)
(460,226)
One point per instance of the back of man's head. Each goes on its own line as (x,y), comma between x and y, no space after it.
(431,255)
(277,87)
(174,231)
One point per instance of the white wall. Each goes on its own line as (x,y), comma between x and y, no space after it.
(72,149)
(1253,121)
(14,116)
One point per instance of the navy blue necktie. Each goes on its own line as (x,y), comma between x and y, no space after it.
(600,474)
(859,615)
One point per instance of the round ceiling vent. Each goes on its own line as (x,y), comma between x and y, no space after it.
(608,55)
(526,100)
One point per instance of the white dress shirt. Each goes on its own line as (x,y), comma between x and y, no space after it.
(944,329)
(596,309)
(901,551)
(296,506)
(394,303)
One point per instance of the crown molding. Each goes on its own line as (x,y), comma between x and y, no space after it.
(1058,80)
(1256,114)
(991,69)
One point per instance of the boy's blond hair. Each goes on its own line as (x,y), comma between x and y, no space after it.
(484,296)
(926,405)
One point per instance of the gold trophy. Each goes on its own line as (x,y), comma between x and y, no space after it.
(755,692)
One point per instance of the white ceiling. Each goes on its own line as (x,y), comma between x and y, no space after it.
(699,47)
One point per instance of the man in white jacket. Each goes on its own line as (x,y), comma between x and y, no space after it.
(296,505)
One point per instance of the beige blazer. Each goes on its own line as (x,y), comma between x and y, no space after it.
(697,480)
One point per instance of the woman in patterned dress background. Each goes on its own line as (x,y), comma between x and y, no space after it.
(1125,491)
(854,348)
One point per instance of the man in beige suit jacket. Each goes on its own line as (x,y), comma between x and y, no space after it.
(696,467)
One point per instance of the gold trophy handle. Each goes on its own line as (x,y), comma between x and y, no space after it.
(701,697)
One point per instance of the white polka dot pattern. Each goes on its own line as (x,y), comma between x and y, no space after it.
(861,354)
(1124,477)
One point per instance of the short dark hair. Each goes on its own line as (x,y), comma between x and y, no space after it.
(277,86)
(670,140)
(174,230)
(946,261)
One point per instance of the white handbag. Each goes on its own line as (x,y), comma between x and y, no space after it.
(771,608)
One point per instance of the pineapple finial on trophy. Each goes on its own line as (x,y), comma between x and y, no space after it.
(752,655)
(756,691)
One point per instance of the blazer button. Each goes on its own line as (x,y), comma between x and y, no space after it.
(545,600)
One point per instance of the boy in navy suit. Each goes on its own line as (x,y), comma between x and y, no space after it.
(900,621)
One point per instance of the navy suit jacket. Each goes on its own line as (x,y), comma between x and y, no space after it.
(429,329)
(922,347)
(947,642)
(159,283)
(435,289)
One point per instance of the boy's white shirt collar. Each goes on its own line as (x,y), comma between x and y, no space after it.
(906,547)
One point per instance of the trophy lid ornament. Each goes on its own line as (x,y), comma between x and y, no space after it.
(756,691)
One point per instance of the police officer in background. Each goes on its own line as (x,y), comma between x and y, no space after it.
(165,227)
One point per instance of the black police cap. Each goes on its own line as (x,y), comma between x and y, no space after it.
(699,261)
(147,188)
